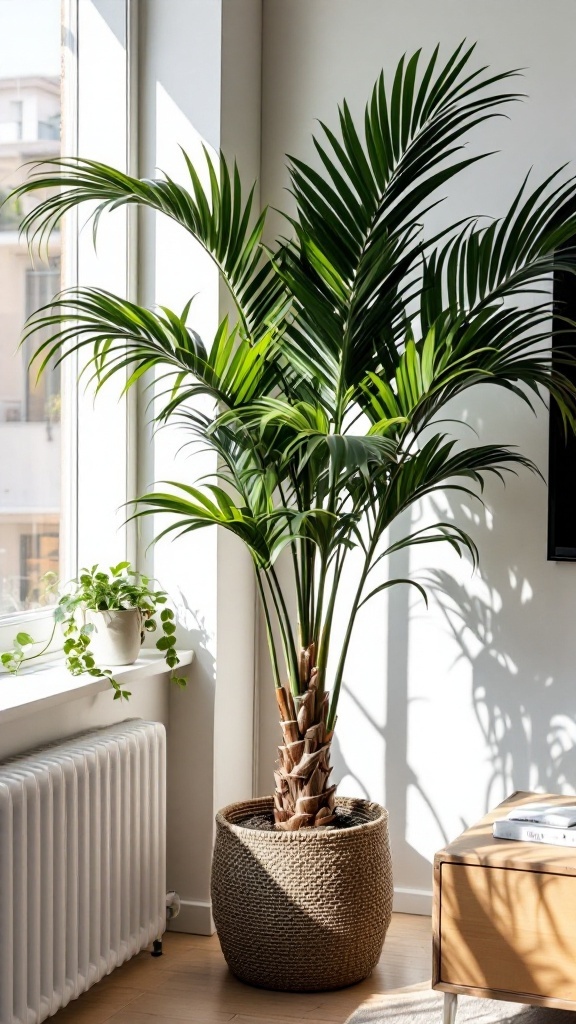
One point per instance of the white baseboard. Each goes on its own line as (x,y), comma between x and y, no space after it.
(412,901)
(195,918)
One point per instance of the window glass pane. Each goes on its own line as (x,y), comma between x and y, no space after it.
(30,103)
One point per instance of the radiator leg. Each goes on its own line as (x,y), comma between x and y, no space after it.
(156,948)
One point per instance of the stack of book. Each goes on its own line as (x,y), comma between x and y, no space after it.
(539,823)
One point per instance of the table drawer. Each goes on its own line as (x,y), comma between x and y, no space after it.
(508,930)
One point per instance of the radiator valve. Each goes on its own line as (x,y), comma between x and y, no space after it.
(172,905)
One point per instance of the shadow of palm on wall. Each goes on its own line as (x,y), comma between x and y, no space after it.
(505,636)
(526,713)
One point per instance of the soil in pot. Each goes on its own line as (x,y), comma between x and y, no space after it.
(345,818)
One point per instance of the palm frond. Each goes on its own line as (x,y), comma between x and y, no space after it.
(217,215)
(123,336)
(359,233)
(512,256)
(440,465)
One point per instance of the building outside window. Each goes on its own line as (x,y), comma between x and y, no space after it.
(30,452)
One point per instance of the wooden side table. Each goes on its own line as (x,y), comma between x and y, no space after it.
(504,917)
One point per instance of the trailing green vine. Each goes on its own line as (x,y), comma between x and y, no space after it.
(118,589)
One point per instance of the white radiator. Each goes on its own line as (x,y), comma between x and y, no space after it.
(82,864)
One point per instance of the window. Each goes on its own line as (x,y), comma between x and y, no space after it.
(62,495)
(30,456)
(42,397)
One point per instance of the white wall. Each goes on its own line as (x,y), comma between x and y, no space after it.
(149,700)
(446,711)
(234,710)
(200,84)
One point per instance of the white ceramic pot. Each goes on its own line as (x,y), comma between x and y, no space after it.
(116,638)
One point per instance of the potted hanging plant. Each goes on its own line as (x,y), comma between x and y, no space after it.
(103,618)
(328,388)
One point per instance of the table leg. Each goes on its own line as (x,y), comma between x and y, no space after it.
(450,1006)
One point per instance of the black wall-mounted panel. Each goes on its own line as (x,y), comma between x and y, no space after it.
(562,451)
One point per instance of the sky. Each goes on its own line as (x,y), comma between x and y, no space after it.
(29,37)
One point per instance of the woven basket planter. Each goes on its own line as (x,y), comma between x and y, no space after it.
(302,911)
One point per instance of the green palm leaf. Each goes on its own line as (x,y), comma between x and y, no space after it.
(359,234)
(217,216)
(121,335)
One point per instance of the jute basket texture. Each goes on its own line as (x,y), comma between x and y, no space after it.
(302,911)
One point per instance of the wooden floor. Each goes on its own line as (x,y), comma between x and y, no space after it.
(192,983)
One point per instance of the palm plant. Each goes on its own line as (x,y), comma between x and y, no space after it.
(329,385)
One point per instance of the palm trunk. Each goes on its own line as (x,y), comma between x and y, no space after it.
(303,798)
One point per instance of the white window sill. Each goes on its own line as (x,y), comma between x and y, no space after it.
(51,684)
